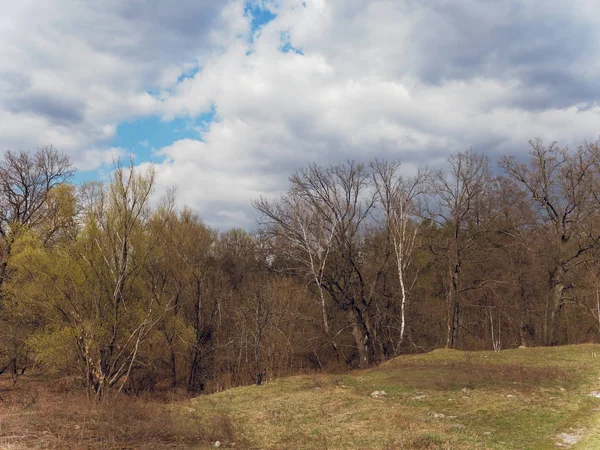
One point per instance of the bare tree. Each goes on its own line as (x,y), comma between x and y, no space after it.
(323,219)
(307,236)
(557,181)
(397,196)
(455,204)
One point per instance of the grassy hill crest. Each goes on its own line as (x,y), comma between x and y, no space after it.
(534,398)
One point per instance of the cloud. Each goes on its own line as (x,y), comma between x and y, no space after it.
(396,79)
(388,79)
(72,70)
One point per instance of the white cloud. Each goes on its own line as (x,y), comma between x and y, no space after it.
(70,71)
(408,79)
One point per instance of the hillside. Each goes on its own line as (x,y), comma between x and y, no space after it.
(534,398)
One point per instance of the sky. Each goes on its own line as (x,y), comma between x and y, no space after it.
(227,98)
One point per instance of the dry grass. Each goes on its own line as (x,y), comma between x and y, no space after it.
(38,414)
(517,399)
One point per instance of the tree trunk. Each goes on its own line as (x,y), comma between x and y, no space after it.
(453,308)
(557,297)
(361,347)
(402,301)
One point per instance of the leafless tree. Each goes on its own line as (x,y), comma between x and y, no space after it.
(397,195)
(558,183)
(455,204)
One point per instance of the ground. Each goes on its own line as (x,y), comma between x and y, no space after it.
(534,398)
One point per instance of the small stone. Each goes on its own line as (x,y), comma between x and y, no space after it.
(378,394)
(510,396)
(487,433)
(217,444)
(570,438)
(440,416)
(458,426)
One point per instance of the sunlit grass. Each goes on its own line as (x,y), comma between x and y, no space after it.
(515,399)
(445,399)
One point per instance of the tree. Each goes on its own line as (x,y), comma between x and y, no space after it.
(557,181)
(34,195)
(324,219)
(91,291)
(301,230)
(455,205)
(397,196)
(27,182)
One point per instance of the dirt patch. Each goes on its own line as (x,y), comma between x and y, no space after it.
(458,375)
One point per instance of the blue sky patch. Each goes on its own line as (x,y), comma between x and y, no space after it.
(286,46)
(144,136)
(259,14)
(191,73)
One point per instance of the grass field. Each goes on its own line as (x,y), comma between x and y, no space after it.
(534,398)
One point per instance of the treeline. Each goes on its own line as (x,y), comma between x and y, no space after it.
(354,264)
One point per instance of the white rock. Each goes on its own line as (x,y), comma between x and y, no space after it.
(378,394)
(217,443)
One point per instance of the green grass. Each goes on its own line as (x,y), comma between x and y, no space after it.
(517,399)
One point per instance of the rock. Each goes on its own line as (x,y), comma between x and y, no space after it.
(458,426)
(566,440)
(440,416)
(378,394)
(510,396)
(594,394)
(217,444)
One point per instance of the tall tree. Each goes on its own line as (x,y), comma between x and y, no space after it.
(398,195)
(336,202)
(27,181)
(455,205)
(557,181)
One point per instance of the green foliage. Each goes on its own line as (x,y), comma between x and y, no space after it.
(55,349)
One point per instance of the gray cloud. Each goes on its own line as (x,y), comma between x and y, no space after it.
(55,109)
(542,46)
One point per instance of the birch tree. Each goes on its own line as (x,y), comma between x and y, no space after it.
(306,232)
(325,214)
(397,196)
